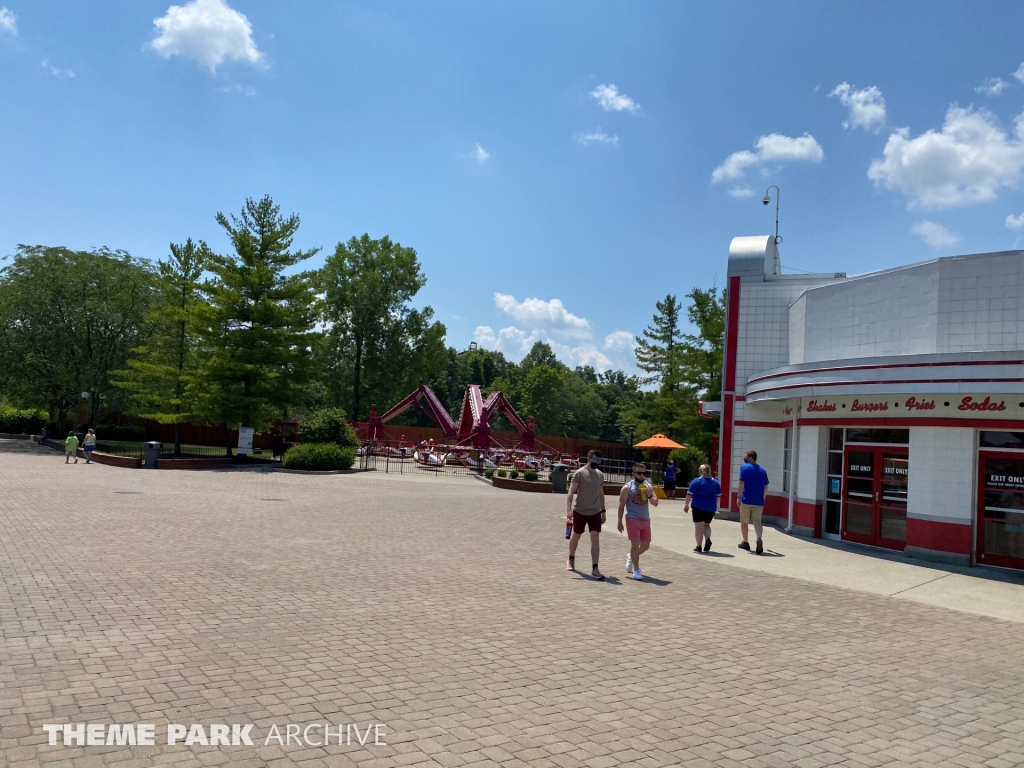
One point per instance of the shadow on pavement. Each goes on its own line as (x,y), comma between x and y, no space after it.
(651,580)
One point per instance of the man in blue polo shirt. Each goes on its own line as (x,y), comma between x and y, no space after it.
(753,481)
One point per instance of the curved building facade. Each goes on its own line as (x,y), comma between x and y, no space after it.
(887,408)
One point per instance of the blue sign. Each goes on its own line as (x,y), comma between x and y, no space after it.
(835,484)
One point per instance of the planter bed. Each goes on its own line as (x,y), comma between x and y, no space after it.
(129,462)
(530,486)
(193,462)
(323,472)
(12,436)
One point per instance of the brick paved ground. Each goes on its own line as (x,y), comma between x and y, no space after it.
(442,609)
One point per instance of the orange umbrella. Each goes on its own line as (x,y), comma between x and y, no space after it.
(659,441)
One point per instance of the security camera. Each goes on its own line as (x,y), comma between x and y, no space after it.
(766,200)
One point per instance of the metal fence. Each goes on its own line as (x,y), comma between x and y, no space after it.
(448,461)
(137,450)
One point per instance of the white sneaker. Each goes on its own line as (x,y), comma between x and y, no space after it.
(629,563)
(637,575)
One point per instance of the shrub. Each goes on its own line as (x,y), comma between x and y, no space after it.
(683,457)
(530,474)
(319,457)
(488,473)
(514,474)
(328,425)
(28,421)
(502,473)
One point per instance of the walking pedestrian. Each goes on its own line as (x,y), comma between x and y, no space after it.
(703,495)
(71,447)
(89,445)
(633,500)
(753,481)
(670,478)
(588,513)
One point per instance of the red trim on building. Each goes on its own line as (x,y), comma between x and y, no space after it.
(766,424)
(940,537)
(732,334)
(856,383)
(881,366)
(1006,424)
(732,331)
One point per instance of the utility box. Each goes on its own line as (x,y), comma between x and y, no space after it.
(559,478)
(151,454)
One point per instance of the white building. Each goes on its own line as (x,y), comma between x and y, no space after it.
(887,408)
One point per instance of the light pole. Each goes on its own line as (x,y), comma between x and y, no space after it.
(767,199)
(631,427)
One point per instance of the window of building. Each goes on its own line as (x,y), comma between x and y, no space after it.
(867,435)
(1004,441)
(833,482)
(787,454)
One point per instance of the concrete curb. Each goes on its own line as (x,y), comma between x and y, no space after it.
(319,472)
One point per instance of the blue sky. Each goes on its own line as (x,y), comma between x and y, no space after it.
(558,167)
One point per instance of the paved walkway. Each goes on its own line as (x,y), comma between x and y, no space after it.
(443,610)
(985,591)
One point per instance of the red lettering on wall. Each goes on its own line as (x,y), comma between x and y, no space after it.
(913,404)
(968,404)
(859,406)
(815,407)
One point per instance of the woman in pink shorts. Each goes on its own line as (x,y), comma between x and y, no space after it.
(633,501)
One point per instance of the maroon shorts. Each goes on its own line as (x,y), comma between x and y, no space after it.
(580,523)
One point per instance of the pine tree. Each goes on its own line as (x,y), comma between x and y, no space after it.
(161,373)
(259,321)
(658,350)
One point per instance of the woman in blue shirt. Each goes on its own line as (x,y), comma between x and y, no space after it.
(703,494)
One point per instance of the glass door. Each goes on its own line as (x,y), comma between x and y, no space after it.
(1001,510)
(875,495)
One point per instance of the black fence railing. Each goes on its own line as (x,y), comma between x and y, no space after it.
(137,450)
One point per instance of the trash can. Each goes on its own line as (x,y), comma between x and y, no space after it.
(152,453)
(559,478)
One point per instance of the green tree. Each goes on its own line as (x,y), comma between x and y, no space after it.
(258,323)
(161,374)
(658,351)
(562,403)
(67,320)
(702,352)
(379,346)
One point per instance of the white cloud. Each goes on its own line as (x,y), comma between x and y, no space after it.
(619,341)
(56,71)
(8,21)
(549,315)
(773,148)
(515,343)
(484,336)
(599,136)
(935,235)
(1019,74)
(741,191)
(867,107)
(1015,222)
(993,86)
(964,163)
(611,100)
(480,154)
(208,31)
(585,354)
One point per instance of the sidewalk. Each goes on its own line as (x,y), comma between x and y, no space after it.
(983,591)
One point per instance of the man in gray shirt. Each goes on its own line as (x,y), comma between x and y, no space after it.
(587,487)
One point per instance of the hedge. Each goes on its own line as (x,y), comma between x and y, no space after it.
(328,425)
(530,474)
(319,457)
(28,421)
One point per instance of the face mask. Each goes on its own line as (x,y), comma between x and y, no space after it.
(595,463)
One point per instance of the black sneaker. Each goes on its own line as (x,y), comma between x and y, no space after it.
(697,549)
(744,545)
(707,544)
(760,547)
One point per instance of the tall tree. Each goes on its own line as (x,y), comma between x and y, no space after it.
(162,374)
(258,322)
(378,343)
(702,351)
(658,350)
(67,320)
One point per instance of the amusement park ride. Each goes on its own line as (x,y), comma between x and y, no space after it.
(470,435)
